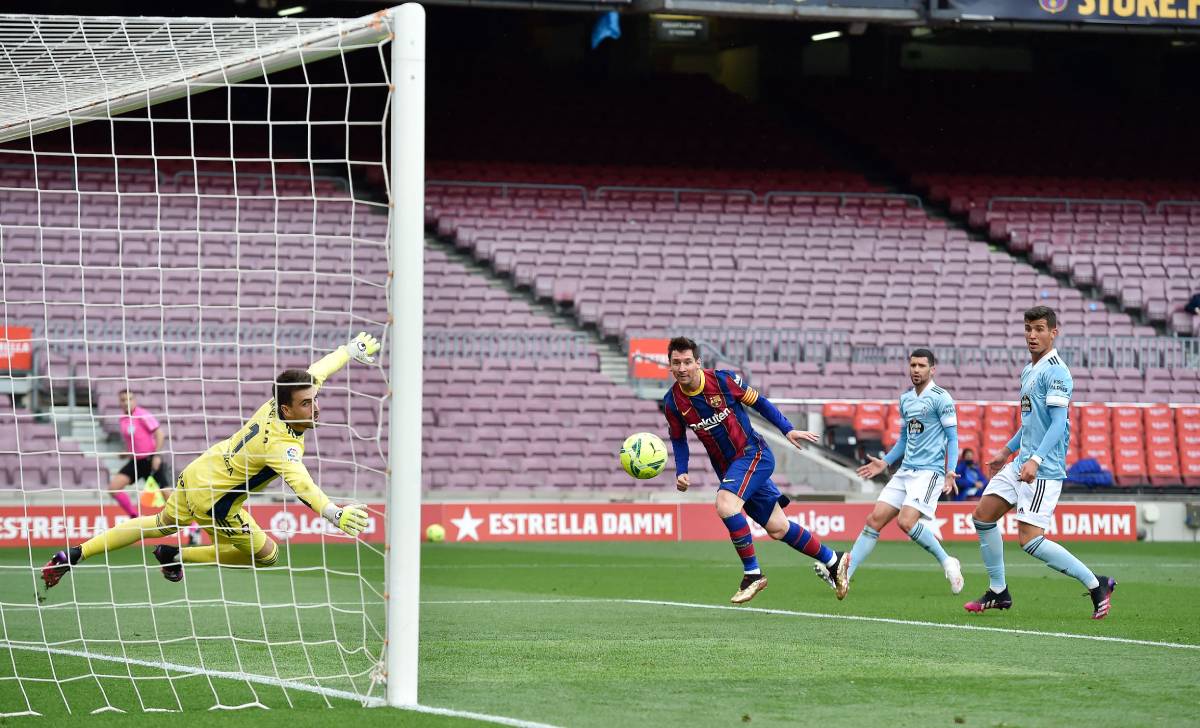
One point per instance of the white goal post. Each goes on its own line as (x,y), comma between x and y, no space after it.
(65,75)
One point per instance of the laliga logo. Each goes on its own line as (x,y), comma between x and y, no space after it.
(1053,6)
(283,525)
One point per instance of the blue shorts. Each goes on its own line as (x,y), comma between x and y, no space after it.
(749,478)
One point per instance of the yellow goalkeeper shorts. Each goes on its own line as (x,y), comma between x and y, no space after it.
(239,529)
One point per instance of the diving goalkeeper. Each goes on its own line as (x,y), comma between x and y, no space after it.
(210,491)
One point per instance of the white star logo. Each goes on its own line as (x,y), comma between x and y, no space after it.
(936,524)
(467,526)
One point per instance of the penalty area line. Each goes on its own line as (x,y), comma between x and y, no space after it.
(365,700)
(845,617)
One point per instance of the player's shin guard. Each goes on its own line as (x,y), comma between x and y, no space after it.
(803,541)
(1059,559)
(991,547)
(743,541)
(863,546)
(924,538)
(124,534)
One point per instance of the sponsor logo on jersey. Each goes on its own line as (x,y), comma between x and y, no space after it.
(915,426)
(710,422)
(1026,404)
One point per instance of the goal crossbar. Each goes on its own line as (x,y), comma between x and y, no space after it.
(116,65)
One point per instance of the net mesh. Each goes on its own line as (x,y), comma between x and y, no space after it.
(187,250)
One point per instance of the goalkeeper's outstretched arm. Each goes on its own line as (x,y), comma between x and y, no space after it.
(361,347)
(351,519)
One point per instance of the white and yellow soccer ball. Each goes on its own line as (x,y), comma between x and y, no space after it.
(643,455)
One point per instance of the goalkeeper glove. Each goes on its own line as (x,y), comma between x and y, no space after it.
(363,348)
(351,520)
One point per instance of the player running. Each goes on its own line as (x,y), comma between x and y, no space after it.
(928,438)
(711,404)
(211,490)
(1033,481)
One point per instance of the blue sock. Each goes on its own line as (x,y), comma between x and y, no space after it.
(807,544)
(1059,559)
(926,540)
(743,541)
(991,546)
(863,546)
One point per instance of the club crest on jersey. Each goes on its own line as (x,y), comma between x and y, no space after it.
(1026,404)
(915,426)
(1053,7)
(716,400)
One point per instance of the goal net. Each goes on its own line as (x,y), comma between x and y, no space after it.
(188,207)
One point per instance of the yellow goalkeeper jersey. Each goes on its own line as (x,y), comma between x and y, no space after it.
(220,480)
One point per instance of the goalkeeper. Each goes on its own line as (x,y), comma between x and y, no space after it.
(210,491)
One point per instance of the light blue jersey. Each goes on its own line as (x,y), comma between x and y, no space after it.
(927,416)
(1044,385)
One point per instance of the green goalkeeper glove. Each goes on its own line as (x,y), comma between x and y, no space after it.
(351,520)
(363,348)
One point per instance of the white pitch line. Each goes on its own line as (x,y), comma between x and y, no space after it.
(278,682)
(924,565)
(847,617)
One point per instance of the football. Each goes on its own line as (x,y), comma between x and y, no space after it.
(435,533)
(643,455)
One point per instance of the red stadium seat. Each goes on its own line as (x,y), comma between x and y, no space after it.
(1128,438)
(1126,419)
(1187,427)
(838,413)
(1189,462)
(968,410)
(970,440)
(1093,418)
(992,441)
(1159,419)
(1130,467)
(1000,417)
(1097,446)
(869,421)
(1163,465)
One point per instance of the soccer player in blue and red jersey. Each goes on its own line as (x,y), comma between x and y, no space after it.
(711,403)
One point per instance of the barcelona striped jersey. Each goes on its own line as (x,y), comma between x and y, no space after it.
(716,414)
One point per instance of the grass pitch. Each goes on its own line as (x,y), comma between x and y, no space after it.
(611,634)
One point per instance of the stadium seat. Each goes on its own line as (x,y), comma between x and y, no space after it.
(838,413)
(869,421)
(1189,461)
(1093,418)
(1130,466)
(1163,465)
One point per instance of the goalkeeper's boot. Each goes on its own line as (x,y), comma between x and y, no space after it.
(1102,596)
(990,600)
(168,556)
(751,584)
(59,564)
